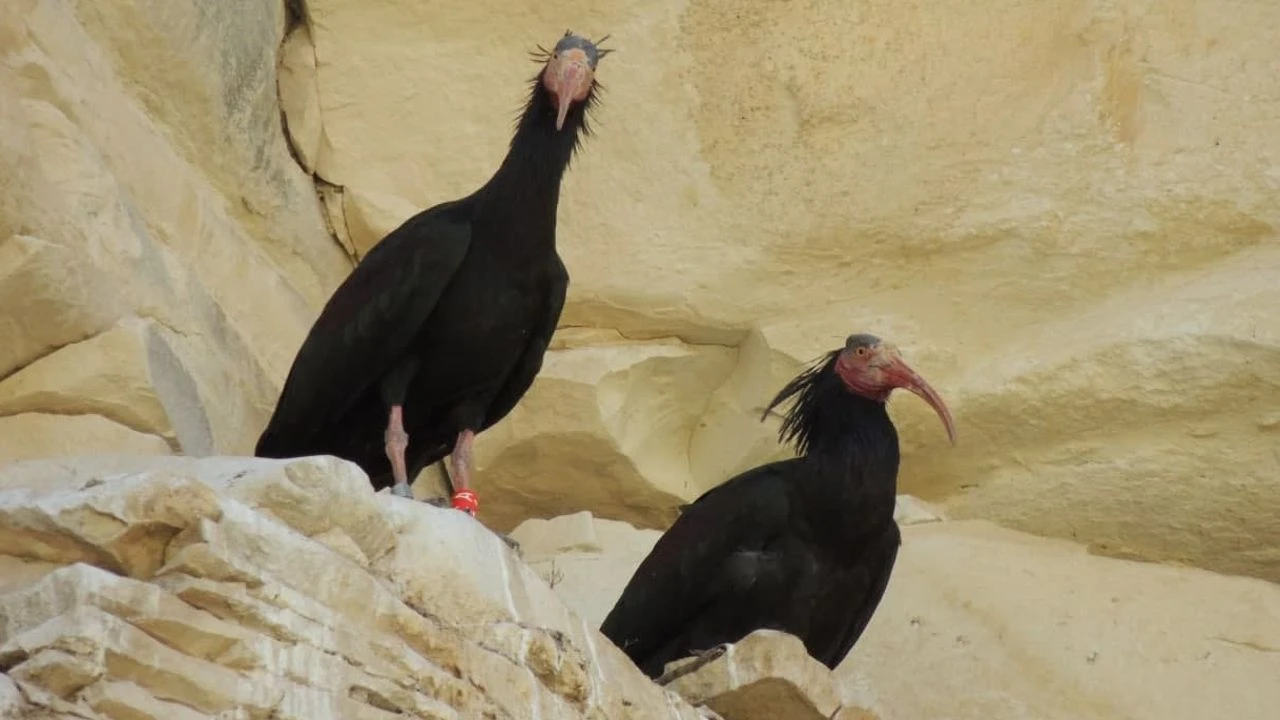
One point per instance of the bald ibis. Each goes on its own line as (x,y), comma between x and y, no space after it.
(804,545)
(439,331)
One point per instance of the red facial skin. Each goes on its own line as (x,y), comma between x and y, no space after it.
(568,77)
(875,371)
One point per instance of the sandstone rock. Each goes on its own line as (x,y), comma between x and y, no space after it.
(299,96)
(1078,252)
(150,185)
(1009,625)
(128,374)
(52,297)
(990,623)
(621,415)
(585,558)
(38,435)
(765,675)
(183,588)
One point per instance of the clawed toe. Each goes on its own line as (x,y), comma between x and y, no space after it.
(699,659)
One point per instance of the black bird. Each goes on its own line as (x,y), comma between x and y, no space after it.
(804,545)
(439,331)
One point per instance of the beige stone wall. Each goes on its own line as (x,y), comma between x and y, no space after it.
(162,589)
(161,254)
(981,622)
(1064,212)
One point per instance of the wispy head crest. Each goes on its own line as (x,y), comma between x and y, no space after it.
(542,54)
(807,388)
(603,51)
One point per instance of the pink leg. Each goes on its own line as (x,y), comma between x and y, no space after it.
(464,498)
(397,440)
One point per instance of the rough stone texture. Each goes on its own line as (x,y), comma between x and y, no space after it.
(37,435)
(981,622)
(763,676)
(161,253)
(1064,213)
(182,588)
(590,559)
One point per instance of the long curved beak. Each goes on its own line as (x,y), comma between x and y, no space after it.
(901,375)
(569,76)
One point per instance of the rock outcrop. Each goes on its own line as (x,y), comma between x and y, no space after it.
(161,253)
(764,676)
(1065,214)
(981,622)
(231,588)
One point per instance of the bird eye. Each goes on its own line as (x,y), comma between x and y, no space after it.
(861,351)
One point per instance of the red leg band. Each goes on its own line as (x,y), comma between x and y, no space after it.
(466,501)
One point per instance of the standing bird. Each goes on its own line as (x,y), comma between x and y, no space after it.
(441,328)
(804,545)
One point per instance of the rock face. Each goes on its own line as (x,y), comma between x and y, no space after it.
(161,253)
(134,588)
(765,675)
(1065,214)
(980,622)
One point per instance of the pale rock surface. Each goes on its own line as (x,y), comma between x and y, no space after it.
(39,435)
(1065,214)
(176,588)
(590,559)
(161,253)
(985,623)
(764,676)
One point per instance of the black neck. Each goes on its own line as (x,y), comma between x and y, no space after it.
(539,154)
(848,439)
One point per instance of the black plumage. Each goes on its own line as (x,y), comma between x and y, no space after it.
(439,331)
(804,545)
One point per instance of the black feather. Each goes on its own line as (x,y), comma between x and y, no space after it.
(449,315)
(804,545)
(809,389)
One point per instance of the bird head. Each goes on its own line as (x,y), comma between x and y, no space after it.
(873,369)
(569,75)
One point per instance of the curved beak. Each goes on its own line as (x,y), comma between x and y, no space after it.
(569,77)
(899,374)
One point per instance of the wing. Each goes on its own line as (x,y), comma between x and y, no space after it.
(530,362)
(866,586)
(681,576)
(369,321)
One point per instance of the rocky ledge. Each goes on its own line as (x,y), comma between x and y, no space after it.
(175,588)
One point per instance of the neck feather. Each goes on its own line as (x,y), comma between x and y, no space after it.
(539,155)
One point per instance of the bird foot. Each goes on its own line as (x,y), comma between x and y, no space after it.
(402,489)
(444,502)
(701,659)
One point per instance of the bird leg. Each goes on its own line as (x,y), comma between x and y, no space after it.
(397,440)
(462,467)
(464,498)
(699,660)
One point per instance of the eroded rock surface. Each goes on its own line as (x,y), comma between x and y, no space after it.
(765,675)
(985,623)
(232,588)
(1064,213)
(161,253)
